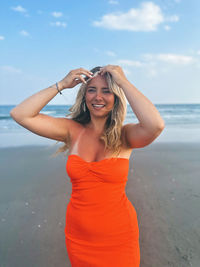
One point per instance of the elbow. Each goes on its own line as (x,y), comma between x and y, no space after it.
(161,126)
(12,113)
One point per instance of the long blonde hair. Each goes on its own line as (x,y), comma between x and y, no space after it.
(80,113)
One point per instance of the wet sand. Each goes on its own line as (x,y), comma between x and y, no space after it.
(163,185)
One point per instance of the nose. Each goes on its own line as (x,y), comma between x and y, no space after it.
(98,95)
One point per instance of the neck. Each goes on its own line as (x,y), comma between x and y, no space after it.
(97,125)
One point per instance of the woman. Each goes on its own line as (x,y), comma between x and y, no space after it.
(101,223)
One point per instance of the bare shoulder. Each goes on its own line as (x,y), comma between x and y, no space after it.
(74,128)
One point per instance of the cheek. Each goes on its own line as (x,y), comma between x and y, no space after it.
(112,99)
(88,97)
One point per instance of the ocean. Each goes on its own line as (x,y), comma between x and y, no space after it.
(182,124)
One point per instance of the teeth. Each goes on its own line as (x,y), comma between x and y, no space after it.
(98,105)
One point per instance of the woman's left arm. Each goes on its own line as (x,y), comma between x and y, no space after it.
(150,123)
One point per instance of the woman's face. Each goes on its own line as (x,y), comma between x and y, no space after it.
(99,98)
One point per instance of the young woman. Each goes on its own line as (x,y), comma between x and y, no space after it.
(101,223)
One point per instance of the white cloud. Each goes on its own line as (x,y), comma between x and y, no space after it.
(173,18)
(19,9)
(145,18)
(153,65)
(10,69)
(57,14)
(152,73)
(167,27)
(169,58)
(58,24)
(177,1)
(113,2)
(130,63)
(175,59)
(111,53)
(147,57)
(2,37)
(24,33)
(198,52)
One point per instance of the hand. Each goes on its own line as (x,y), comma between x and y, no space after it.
(74,77)
(116,72)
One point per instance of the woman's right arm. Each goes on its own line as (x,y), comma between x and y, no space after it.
(28,115)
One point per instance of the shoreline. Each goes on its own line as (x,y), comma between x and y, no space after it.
(169,135)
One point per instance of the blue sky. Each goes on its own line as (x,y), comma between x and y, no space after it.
(157,44)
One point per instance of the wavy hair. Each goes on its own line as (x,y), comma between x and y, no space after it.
(111,136)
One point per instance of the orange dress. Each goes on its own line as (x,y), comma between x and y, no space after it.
(101,223)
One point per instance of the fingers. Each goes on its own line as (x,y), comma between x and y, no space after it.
(84,72)
(78,72)
(79,78)
(103,70)
(110,69)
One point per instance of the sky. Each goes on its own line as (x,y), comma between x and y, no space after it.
(156,43)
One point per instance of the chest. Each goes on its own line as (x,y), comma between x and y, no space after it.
(90,148)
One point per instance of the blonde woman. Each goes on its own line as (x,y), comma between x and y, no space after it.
(101,223)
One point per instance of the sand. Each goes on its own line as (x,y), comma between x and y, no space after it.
(163,185)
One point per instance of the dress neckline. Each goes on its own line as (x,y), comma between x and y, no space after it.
(75,155)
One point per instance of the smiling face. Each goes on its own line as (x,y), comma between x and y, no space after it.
(99,98)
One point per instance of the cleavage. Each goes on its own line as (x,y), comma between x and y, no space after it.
(83,138)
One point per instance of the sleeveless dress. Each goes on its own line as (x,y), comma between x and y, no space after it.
(101,223)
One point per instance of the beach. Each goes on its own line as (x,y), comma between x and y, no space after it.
(163,185)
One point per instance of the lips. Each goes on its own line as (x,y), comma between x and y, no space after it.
(98,106)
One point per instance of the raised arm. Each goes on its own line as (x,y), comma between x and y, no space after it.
(28,115)
(150,123)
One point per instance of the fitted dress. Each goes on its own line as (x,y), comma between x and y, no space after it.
(101,227)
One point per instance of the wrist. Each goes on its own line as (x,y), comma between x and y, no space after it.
(59,86)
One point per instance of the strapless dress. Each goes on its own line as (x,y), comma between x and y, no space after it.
(101,223)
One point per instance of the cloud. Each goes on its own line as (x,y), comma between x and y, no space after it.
(19,9)
(58,24)
(111,53)
(10,69)
(169,58)
(145,18)
(2,37)
(175,59)
(113,2)
(24,33)
(173,18)
(152,73)
(57,14)
(167,27)
(130,63)
(152,65)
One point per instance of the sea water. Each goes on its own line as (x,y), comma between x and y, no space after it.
(182,124)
